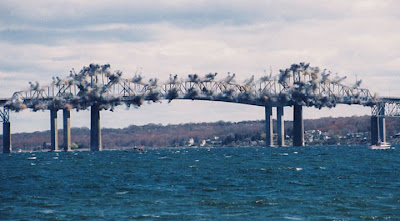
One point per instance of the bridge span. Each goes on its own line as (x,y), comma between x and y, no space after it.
(97,88)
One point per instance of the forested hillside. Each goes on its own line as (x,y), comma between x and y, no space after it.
(345,130)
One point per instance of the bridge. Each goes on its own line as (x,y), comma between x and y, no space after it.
(98,88)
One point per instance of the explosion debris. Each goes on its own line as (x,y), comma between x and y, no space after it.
(300,84)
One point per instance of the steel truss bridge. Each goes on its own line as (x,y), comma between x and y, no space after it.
(98,88)
(387,106)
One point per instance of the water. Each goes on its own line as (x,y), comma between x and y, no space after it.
(317,183)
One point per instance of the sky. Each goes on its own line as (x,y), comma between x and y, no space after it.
(45,38)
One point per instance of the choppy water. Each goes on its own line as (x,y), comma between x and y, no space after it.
(317,183)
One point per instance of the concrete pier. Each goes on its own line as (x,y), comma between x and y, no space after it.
(374,130)
(53,130)
(280,130)
(67,129)
(382,124)
(298,126)
(7,137)
(95,130)
(269,129)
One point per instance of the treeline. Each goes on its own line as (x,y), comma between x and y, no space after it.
(219,133)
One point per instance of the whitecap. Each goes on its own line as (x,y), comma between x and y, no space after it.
(292,218)
(31,158)
(299,168)
(122,193)
(47,211)
(150,216)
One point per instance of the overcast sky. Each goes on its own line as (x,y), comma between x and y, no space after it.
(45,38)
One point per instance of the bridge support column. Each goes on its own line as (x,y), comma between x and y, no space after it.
(280,126)
(382,124)
(53,130)
(374,130)
(298,126)
(67,129)
(7,137)
(95,130)
(269,129)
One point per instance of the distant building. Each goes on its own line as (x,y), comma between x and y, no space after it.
(191,142)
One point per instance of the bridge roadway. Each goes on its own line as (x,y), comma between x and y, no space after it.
(390,99)
(97,88)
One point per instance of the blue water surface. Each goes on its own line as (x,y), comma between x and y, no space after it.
(306,183)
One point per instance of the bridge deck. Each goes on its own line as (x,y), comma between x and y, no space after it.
(395,100)
(391,99)
(3,101)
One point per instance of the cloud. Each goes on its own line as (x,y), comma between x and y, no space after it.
(187,13)
(54,37)
(195,14)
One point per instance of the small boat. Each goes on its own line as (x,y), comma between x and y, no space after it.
(381,146)
(135,149)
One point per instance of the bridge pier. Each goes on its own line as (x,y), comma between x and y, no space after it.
(378,125)
(382,124)
(95,130)
(7,137)
(269,129)
(280,126)
(67,129)
(374,130)
(5,118)
(53,130)
(298,126)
